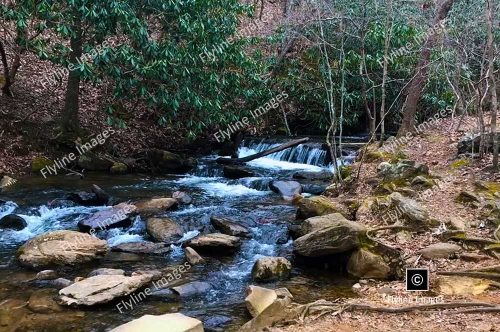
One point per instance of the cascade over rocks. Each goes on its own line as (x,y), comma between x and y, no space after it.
(237,172)
(61,248)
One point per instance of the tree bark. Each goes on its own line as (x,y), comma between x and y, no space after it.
(491,77)
(69,114)
(263,153)
(387,43)
(416,86)
(6,87)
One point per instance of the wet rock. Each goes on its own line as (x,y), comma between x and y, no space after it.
(314,189)
(194,288)
(61,248)
(229,227)
(163,229)
(316,223)
(118,168)
(308,175)
(287,189)
(365,264)
(13,221)
(120,215)
(83,198)
(101,289)
(216,323)
(60,283)
(192,256)
(440,250)
(237,172)
(175,322)
(142,248)
(461,286)
(215,242)
(270,268)
(156,205)
(46,275)
(165,161)
(343,236)
(102,196)
(153,274)
(163,294)
(42,302)
(259,298)
(317,206)
(410,210)
(92,162)
(106,272)
(182,197)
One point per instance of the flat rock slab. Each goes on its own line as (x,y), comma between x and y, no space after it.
(61,248)
(142,248)
(120,215)
(101,289)
(168,322)
(192,288)
(229,227)
(156,205)
(440,250)
(216,242)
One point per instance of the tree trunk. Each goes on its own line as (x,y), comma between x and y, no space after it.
(416,86)
(69,114)
(6,87)
(491,77)
(387,43)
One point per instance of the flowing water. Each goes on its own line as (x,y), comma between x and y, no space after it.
(247,201)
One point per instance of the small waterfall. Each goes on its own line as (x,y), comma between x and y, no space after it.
(310,154)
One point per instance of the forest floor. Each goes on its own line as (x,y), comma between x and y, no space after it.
(437,148)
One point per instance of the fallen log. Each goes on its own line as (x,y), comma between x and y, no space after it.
(227,161)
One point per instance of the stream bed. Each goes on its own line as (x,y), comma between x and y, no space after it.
(248,201)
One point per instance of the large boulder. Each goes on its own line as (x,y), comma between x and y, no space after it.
(237,172)
(270,268)
(156,205)
(410,210)
(316,223)
(163,229)
(92,162)
(13,221)
(182,197)
(165,161)
(470,143)
(215,242)
(101,289)
(365,264)
(404,169)
(176,322)
(309,175)
(287,189)
(120,215)
(440,250)
(229,227)
(61,248)
(341,237)
(317,206)
(142,248)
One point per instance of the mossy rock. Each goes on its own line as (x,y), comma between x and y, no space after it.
(345,171)
(318,206)
(459,163)
(39,163)
(118,168)
(468,198)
